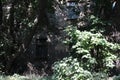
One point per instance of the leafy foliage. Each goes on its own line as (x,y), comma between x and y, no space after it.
(17,23)
(91,57)
(70,69)
(93,50)
(100,76)
(97,25)
(18,26)
(27,77)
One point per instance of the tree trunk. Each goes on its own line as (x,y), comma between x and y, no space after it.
(42,15)
(12,34)
(42,22)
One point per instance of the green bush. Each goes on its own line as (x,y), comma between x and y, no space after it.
(91,57)
(70,69)
(93,51)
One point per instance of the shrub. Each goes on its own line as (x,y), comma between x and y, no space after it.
(93,51)
(91,57)
(70,69)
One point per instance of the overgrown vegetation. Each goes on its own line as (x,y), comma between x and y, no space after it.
(97,76)
(27,77)
(91,55)
(19,22)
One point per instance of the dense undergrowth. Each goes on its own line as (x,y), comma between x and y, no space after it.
(91,57)
(99,76)
(28,77)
